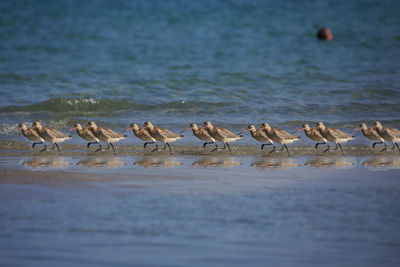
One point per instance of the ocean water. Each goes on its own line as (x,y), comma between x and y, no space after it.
(191,211)
(177,62)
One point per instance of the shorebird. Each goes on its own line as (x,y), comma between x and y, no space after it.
(202,134)
(223,135)
(162,135)
(372,134)
(142,134)
(334,135)
(50,135)
(280,136)
(86,134)
(313,134)
(105,135)
(260,135)
(31,134)
(387,133)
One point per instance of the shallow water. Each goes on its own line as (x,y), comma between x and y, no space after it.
(177,62)
(197,210)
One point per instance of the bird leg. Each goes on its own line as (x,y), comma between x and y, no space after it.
(208,143)
(336,147)
(58,148)
(148,143)
(112,147)
(398,148)
(230,151)
(317,144)
(340,148)
(374,144)
(267,144)
(45,147)
(281,148)
(287,150)
(92,143)
(169,147)
(34,144)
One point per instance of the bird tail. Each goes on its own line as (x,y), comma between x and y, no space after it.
(241,135)
(125,135)
(182,135)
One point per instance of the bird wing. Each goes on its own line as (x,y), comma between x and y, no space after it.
(55,133)
(339,134)
(108,133)
(393,132)
(225,132)
(167,133)
(282,134)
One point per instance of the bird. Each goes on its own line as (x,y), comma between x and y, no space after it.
(162,135)
(50,135)
(105,135)
(86,134)
(313,134)
(333,135)
(388,133)
(31,134)
(221,134)
(142,134)
(280,136)
(202,134)
(260,135)
(371,133)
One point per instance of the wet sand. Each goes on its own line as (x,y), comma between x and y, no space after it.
(196,208)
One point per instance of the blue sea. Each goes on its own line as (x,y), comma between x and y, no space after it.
(232,62)
(178,62)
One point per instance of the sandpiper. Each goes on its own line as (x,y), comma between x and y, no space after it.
(142,134)
(162,135)
(333,135)
(50,135)
(105,135)
(221,134)
(371,133)
(280,136)
(202,134)
(313,134)
(86,134)
(260,135)
(388,133)
(31,134)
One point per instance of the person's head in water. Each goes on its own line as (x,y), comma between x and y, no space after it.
(324,34)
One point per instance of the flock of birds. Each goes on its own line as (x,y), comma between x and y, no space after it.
(209,133)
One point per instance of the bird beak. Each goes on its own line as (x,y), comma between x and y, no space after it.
(16,129)
(245,130)
(187,129)
(298,130)
(356,129)
(73,128)
(127,129)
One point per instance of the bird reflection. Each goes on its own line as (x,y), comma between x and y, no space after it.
(218,162)
(160,162)
(43,162)
(103,162)
(382,163)
(330,162)
(275,163)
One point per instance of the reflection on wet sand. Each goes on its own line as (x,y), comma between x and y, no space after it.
(382,163)
(104,162)
(330,162)
(275,163)
(161,162)
(42,162)
(220,162)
